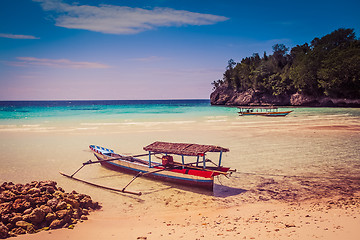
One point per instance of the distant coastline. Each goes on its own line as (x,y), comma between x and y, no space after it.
(324,73)
(230,97)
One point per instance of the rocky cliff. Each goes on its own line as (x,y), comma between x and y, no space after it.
(225,96)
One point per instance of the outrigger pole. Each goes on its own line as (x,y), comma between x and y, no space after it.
(108,160)
(101,186)
(110,188)
(97,185)
(92,162)
(140,174)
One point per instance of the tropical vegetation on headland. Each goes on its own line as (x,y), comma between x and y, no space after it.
(327,67)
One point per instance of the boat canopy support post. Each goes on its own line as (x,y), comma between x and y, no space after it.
(197,160)
(220,158)
(149,159)
(204,161)
(183,161)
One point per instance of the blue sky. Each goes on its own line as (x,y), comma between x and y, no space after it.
(136,49)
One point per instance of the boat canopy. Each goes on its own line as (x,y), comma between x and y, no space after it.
(188,149)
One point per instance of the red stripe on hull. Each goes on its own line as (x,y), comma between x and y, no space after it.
(193,183)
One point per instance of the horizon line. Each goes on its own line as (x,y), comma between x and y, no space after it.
(68,100)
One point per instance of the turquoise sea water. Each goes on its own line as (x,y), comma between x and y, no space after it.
(23,112)
(32,111)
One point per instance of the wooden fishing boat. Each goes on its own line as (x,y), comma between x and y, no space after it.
(196,174)
(268,111)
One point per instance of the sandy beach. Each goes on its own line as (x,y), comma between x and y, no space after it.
(297,178)
(321,219)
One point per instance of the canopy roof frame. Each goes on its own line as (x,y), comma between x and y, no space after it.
(186,149)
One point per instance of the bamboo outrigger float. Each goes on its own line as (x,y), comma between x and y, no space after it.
(195,174)
(268,111)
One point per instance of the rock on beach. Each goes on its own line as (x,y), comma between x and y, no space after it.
(36,206)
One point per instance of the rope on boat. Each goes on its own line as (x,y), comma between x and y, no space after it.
(295,176)
(219,180)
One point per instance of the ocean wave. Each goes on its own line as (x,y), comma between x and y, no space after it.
(218,120)
(158,123)
(142,123)
(14,110)
(216,117)
(85,109)
(100,124)
(89,128)
(27,129)
(129,123)
(181,122)
(7,126)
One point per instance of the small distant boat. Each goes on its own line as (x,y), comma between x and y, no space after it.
(268,111)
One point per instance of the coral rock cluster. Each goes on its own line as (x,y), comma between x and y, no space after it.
(36,206)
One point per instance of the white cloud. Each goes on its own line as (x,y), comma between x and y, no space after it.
(123,20)
(13,36)
(56,63)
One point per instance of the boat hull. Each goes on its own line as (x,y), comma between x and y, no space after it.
(166,175)
(266,114)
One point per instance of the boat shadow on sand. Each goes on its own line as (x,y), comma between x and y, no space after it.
(218,191)
(226,191)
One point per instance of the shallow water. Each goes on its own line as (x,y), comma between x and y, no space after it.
(37,140)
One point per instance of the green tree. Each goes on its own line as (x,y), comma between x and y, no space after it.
(339,38)
(330,66)
(303,70)
(340,72)
(279,55)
